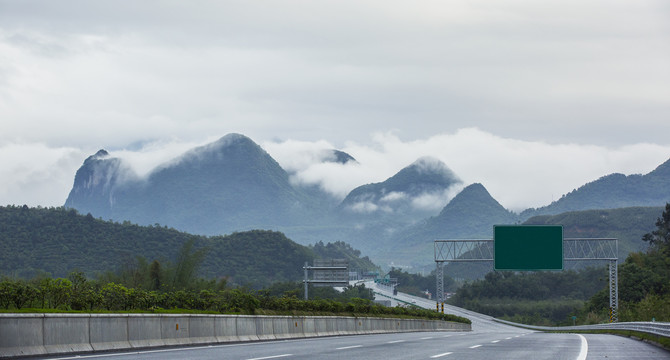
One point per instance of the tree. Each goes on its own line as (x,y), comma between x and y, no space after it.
(155,275)
(114,296)
(22,293)
(81,292)
(660,238)
(188,262)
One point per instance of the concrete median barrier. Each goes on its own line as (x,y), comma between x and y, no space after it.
(246,328)
(225,327)
(202,329)
(21,334)
(264,327)
(144,330)
(51,334)
(74,339)
(109,332)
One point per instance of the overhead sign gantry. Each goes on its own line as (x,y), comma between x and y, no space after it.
(529,248)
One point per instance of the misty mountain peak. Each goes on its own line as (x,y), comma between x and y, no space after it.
(94,183)
(431,165)
(233,139)
(102,153)
(229,149)
(227,142)
(662,170)
(416,190)
(475,202)
(339,157)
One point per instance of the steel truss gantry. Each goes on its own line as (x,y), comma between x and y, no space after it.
(574,249)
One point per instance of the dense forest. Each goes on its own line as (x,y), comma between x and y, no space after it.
(644,280)
(417,284)
(57,241)
(539,298)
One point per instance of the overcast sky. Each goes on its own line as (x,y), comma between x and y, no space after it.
(530,98)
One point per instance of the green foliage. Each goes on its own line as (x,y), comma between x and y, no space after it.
(416,284)
(56,240)
(188,261)
(342,250)
(628,225)
(660,238)
(539,298)
(17,294)
(644,281)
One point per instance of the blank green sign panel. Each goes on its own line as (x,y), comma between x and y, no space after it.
(528,247)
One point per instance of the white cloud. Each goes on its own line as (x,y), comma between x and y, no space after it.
(393,196)
(385,81)
(519,174)
(35,174)
(559,72)
(436,201)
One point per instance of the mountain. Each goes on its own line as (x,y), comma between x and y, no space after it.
(469,215)
(339,157)
(229,185)
(94,184)
(412,194)
(472,213)
(234,185)
(613,191)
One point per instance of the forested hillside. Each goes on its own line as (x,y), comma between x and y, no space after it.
(628,225)
(58,240)
(613,191)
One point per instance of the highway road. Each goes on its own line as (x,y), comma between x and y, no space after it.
(487,340)
(514,345)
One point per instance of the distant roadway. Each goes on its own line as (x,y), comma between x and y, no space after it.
(488,340)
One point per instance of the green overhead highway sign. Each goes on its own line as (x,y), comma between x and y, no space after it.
(528,247)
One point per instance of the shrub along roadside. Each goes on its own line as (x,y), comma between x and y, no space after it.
(80,295)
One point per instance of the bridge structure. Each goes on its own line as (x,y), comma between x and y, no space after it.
(574,249)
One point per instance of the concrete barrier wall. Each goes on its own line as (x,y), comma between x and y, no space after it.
(48,334)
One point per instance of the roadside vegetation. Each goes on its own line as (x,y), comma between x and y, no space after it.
(644,281)
(174,288)
(77,294)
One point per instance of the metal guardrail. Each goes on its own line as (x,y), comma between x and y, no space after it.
(654,328)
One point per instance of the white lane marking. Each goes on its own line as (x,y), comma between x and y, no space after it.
(584,348)
(440,355)
(348,347)
(474,346)
(395,341)
(446,336)
(427,338)
(271,357)
(494,341)
(509,338)
(131,353)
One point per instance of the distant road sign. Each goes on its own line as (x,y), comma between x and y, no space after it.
(330,272)
(528,247)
